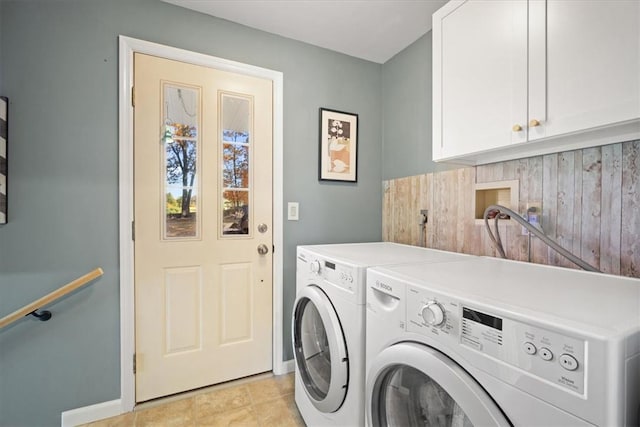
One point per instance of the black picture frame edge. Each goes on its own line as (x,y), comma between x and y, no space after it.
(5,100)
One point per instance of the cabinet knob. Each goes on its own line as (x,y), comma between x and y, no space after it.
(533,123)
(516,128)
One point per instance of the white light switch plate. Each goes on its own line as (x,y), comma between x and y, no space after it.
(293,211)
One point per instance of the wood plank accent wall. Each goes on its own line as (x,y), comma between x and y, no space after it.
(590,205)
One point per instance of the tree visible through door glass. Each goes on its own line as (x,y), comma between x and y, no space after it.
(236,120)
(181,146)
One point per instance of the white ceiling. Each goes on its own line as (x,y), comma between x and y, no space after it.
(374,30)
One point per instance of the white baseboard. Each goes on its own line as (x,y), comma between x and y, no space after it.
(91,413)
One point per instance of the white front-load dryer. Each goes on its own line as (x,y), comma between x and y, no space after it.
(496,342)
(329,325)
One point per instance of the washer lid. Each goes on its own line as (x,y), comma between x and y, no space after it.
(320,350)
(413,384)
(382,253)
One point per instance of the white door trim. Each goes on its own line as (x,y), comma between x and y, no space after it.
(127,47)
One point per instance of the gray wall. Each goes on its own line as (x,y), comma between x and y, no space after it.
(406,112)
(59,70)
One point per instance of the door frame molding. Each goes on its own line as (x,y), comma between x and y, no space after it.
(127,47)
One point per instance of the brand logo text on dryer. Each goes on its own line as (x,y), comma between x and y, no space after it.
(379,284)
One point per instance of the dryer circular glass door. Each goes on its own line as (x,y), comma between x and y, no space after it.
(413,384)
(319,349)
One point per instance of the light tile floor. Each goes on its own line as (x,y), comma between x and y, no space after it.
(261,401)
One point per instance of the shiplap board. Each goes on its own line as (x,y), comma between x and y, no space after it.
(630,243)
(611,208)
(566,215)
(591,203)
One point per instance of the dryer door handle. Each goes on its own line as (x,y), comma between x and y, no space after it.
(387,301)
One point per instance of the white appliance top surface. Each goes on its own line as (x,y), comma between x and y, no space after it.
(382,253)
(590,302)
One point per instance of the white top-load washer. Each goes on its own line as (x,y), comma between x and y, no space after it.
(328,325)
(496,342)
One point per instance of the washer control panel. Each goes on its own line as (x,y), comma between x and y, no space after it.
(336,273)
(554,357)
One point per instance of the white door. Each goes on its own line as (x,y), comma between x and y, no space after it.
(410,384)
(480,69)
(203,226)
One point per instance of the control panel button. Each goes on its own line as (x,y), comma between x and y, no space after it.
(568,362)
(530,348)
(545,353)
(433,314)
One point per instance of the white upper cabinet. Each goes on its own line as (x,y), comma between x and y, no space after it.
(481,83)
(518,78)
(593,65)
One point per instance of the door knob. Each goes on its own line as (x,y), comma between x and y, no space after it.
(516,128)
(263,249)
(533,123)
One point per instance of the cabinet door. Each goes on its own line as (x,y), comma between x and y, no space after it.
(592,67)
(480,76)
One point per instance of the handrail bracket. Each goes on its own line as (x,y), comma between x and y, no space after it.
(43,316)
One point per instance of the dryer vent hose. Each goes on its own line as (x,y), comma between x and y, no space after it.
(499,211)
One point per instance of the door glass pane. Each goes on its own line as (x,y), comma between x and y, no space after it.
(236,121)
(312,350)
(408,397)
(180,140)
(235,212)
(236,166)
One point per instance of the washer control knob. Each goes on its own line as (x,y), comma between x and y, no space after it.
(315,266)
(568,362)
(433,314)
(530,348)
(545,353)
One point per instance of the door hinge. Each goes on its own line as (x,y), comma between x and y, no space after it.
(273,249)
(133,96)
(133,230)
(134,363)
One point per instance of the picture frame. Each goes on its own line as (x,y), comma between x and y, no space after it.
(338,146)
(4,136)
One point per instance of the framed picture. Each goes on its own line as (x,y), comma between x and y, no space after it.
(338,146)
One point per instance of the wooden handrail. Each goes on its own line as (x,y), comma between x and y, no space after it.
(58,293)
